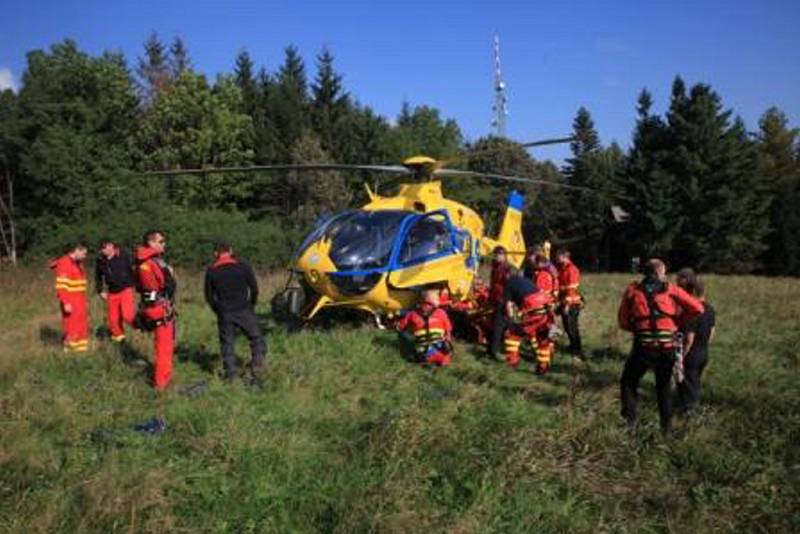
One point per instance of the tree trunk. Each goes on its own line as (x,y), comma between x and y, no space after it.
(7,211)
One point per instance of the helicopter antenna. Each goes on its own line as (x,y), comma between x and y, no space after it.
(500,106)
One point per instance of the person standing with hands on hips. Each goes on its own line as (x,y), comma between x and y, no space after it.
(231,290)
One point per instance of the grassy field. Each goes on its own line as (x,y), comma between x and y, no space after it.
(346,436)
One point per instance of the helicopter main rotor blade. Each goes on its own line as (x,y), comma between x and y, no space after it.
(473,174)
(394,169)
(545,142)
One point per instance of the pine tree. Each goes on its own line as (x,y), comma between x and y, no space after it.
(715,167)
(779,164)
(179,61)
(650,188)
(422,130)
(288,101)
(599,169)
(329,102)
(153,70)
(246,81)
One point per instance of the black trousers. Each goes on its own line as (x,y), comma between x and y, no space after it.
(690,390)
(571,327)
(246,321)
(636,366)
(496,347)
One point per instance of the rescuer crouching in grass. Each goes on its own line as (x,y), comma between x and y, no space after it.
(431,330)
(652,309)
(231,290)
(115,283)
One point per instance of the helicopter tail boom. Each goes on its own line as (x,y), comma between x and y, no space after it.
(510,236)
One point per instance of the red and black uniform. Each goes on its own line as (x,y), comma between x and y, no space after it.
(652,310)
(570,303)
(432,333)
(478,313)
(546,279)
(501,272)
(115,276)
(71,293)
(532,325)
(157,288)
(231,290)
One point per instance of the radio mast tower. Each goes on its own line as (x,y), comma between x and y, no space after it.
(500,106)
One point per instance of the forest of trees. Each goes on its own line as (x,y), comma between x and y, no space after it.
(700,188)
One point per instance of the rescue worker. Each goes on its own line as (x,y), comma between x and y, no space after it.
(231,290)
(115,283)
(157,286)
(71,294)
(529,305)
(569,299)
(545,276)
(431,330)
(476,312)
(652,309)
(697,334)
(501,272)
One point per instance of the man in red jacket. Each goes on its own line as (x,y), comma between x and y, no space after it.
(157,288)
(432,330)
(652,310)
(71,293)
(501,272)
(569,297)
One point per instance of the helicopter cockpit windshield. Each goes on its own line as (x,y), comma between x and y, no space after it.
(360,240)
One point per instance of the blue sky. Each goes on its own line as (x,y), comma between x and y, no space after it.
(557,56)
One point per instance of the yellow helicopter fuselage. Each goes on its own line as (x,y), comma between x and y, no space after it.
(416,239)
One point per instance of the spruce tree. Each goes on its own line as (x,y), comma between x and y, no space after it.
(153,69)
(650,189)
(330,102)
(288,101)
(246,81)
(599,169)
(779,164)
(715,168)
(179,61)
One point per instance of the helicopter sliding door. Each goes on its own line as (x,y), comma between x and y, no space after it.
(429,252)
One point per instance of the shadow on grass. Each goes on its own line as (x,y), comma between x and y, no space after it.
(49,336)
(608,353)
(199,355)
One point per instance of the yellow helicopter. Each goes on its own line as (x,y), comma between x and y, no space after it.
(376,258)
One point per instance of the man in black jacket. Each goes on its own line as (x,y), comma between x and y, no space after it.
(232,292)
(114,282)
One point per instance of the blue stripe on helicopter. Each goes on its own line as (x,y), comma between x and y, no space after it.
(515,201)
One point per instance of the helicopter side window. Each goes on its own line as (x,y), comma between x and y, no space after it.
(428,237)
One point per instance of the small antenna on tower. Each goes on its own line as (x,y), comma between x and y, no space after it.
(500,106)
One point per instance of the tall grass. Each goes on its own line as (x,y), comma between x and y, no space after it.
(347,436)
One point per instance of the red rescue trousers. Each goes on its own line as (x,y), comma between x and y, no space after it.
(121,309)
(164,342)
(163,345)
(75,324)
(536,334)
